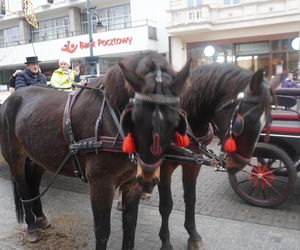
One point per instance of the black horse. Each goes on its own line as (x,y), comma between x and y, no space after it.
(79,133)
(237,102)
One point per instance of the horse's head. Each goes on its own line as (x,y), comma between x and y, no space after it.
(243,118)
(153,115)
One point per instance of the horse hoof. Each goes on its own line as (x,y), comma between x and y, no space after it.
(146,196)
(42,222)
(34,236)
(167,247)
(195,245)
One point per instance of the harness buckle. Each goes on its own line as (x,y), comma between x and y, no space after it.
(132,158)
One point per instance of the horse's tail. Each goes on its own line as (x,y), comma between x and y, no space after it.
(29,173)
(18,204)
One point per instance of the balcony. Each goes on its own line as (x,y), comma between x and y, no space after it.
(221,17)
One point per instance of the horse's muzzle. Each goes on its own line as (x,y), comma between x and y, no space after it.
(235,163)
(148,175)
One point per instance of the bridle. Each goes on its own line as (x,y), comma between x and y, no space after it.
(236,125)
(158,99)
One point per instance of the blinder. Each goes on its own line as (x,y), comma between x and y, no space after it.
(125,120)
(237,120)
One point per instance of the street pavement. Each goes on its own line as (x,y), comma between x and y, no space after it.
(224,220)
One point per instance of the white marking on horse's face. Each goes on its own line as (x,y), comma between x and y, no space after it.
(262,120)
(160,115)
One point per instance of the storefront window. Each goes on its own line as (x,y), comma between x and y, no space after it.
(274,56)
(221,54)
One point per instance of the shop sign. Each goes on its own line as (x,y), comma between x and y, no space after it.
(71,47)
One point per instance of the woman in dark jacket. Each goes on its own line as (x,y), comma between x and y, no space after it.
(31,75)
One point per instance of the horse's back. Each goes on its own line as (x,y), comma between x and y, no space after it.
(31,117)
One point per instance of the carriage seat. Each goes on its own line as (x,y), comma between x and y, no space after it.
(286,102)
(286,127)
(284,111)
(285,114)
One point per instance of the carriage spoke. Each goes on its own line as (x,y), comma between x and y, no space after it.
(243,181)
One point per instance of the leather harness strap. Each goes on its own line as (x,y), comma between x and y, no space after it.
(92,144)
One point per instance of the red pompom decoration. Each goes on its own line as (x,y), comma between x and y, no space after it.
(181,140)
(229,145)
(128,144)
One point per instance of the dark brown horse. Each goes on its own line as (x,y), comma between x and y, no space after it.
(214,96)
(49,127)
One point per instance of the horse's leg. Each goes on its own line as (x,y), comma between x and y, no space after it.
(131,194)
(165,203)
(36,173)
(101,194)
(23,190)
(189,178)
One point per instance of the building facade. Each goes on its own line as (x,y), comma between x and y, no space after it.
(250,33)
(130,26)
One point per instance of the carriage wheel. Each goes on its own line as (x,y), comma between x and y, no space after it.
(268,179)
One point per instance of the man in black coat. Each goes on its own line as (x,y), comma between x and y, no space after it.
(31,75)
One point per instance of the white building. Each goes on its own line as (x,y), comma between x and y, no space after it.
(251,33)
(130,26)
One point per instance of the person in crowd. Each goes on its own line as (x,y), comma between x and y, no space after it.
(64,77)
(31,75)
(12,80)
(288,81)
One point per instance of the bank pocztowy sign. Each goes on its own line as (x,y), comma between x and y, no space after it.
(71,47)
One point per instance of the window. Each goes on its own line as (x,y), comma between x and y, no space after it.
(231,2)
(2,7)
(152,33)
(52,29)
(193,3)
(9,37)
(112,18)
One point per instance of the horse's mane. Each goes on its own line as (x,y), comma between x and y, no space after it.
(212,83)
(118,90)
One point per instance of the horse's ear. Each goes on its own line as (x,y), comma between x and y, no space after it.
(181,77)
(132,78)
(256,81)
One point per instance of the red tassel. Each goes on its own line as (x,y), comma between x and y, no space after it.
(229,145)
(181,140)
(128,144)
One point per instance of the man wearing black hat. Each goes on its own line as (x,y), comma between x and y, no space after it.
(31,75)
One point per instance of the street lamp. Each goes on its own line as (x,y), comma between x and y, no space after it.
(91,59)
